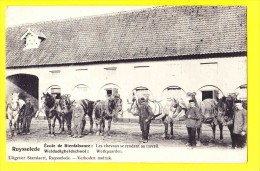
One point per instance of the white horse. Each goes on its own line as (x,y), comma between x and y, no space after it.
(13,111)
(161,111)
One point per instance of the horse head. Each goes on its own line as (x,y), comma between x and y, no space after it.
(15,97)
(115,106)
(221,106)
(65,103)
(133,109)
(230,106)
(48,100)
(192,96)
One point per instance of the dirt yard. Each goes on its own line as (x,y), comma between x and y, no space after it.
(122,132)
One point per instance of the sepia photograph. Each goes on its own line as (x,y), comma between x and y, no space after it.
(126,84)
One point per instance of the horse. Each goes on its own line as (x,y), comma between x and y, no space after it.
(160,113)
(229,114)
(212,114)
(14,111)
(106,110)
(50,109)
(64,109)
(80,109)
(175,108)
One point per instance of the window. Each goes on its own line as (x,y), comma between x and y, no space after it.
(56,92)
(242,68)
(111,91)
(55,74)
(174,92)
(174,69)
(209,70)
(82,88)
(209,92)
(142,91)
(80,91)
(81,74)
(111,72)
(32,39)
(207,95)
(242,92)
(140,72)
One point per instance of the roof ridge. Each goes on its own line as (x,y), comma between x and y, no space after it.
(87,17)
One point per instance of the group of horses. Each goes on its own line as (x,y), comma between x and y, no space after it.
(214,113)
(67,111)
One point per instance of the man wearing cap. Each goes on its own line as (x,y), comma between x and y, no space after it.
(145,116)
(239,131)
(28,114)
(192,117)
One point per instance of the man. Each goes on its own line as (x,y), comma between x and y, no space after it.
(28,114)
(239,131)
(192,117)
(145,116)
(78,119)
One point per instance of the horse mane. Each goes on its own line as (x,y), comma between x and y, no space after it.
(50,102)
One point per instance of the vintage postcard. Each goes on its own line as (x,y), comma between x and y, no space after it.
(135,84)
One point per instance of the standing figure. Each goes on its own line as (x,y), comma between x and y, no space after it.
(192,117)
(27,117)
(239,131)
(77,119)
(145,117)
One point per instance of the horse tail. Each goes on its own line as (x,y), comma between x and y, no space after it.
(7,106)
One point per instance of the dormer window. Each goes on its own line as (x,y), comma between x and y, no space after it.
(32,38)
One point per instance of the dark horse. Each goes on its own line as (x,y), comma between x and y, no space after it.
(80,109)
(106,110)
(229,115)
(50,109)
(213,112)
(65,112)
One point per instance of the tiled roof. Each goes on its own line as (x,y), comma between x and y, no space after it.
(159,32)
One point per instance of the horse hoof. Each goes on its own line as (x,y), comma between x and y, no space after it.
(171,137)
(221,141)
(167,138)
(198,144)
(164,136)
(15,134)
(97,133)
(52,135)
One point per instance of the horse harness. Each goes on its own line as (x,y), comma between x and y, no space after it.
(17,107)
